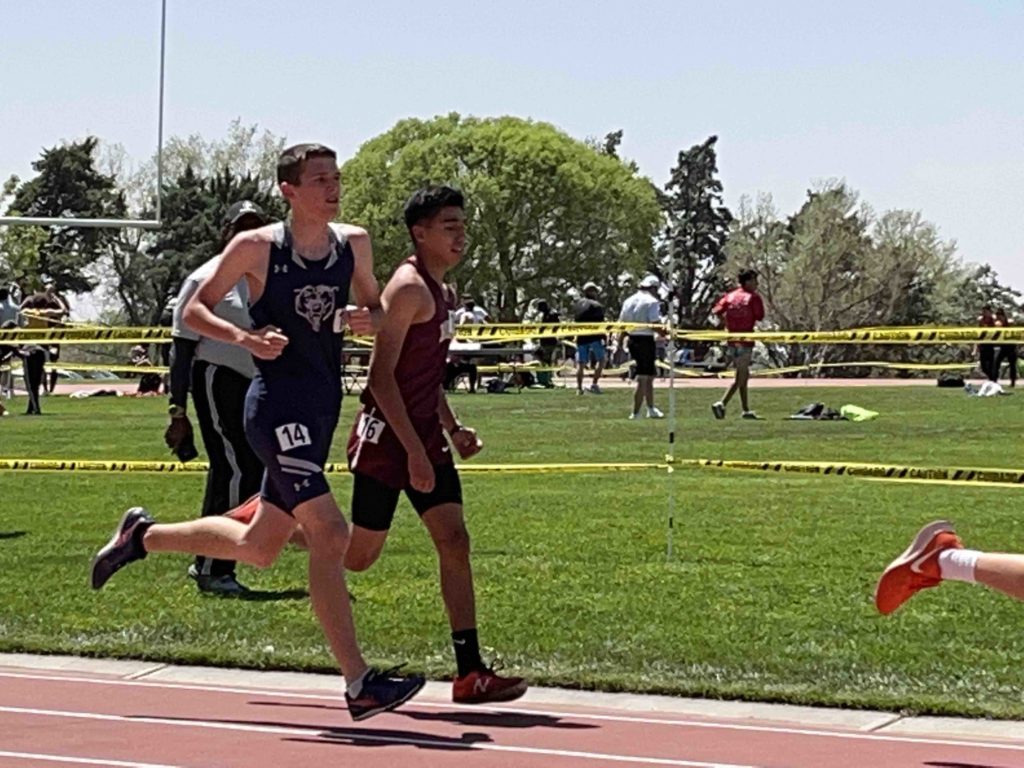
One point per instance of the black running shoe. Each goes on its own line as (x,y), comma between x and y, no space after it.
(124,547)
(383,690)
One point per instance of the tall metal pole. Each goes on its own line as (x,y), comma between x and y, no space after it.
(160,114)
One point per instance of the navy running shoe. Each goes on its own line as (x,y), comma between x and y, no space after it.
(383,690)
(124,547)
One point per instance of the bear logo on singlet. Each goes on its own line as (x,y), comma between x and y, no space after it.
(315,303)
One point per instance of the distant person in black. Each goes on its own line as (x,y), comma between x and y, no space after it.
(547,346)
(50,310)
(589,310)
(33,359)
(1007,352)
(987,352)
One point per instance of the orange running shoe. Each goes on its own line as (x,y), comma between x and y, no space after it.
(917,568)
(485,686)
(245,513)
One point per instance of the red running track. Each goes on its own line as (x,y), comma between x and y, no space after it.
(55,718)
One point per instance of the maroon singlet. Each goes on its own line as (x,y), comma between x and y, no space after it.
(373,447)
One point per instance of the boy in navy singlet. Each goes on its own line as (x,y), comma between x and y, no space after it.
(299,276)
(398,441)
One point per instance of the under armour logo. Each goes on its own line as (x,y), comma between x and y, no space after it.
(280,268)
(299,486)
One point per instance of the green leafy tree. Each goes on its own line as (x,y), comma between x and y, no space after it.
(19,246)
(545,212)
(67,185)
(835,265)
(691,249)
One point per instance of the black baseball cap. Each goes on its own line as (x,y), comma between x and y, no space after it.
(243,208)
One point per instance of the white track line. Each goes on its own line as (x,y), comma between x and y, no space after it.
(37,757)
(785,730)
(357,735)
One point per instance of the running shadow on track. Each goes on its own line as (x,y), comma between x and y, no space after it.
(941,764)
(481,719)
(358,737)
(4,535)
(389,737)
(496,719)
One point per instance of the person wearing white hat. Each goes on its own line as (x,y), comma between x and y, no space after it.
(589,310)
(643,307)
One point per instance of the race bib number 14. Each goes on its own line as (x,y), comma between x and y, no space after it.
(291,436)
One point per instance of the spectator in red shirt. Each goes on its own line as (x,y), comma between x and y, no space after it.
(740,309)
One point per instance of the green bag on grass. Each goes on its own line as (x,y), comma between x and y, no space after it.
(856,413)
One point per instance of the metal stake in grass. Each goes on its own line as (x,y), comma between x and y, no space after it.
(673,307)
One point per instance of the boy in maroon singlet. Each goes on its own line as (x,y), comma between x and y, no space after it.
(398,440)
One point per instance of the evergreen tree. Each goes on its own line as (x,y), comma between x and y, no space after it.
(690,254)
(67,185)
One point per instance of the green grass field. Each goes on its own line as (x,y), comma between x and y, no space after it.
(768,595)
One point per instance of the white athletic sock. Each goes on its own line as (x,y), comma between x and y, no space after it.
(354,687)
(958,564)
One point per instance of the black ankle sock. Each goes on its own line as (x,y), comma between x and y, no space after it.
(137,536)
(467,651)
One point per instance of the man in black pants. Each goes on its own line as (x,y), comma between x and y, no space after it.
(1007,352)
(219,375)
(643,307)
(33,362)
(987,352)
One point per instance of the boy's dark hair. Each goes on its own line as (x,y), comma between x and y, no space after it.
(747,274)
(292,161)
(427,202)
(5,293)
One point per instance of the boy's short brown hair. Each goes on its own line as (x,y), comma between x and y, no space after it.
(292,161)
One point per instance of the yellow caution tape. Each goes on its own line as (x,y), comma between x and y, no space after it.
(923,335)
(960,475)
(525,331)
(764,372)
(78,465)
(888,472)
(85,335)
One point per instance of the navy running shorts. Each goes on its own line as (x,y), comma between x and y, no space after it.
(293,440)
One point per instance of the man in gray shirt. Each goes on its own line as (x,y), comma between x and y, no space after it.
(218,375)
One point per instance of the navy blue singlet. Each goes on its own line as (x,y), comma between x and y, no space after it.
(294,402)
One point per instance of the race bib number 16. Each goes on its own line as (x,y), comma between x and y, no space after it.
(370,429)
(291,436)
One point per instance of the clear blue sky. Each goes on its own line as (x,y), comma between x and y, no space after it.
(917,105)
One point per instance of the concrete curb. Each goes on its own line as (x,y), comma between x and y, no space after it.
(867,721)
